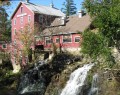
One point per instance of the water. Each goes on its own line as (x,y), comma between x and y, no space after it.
(94,87)
(77,80)
(35,80)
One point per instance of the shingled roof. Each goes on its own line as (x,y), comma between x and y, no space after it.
(74,24)
(41,9)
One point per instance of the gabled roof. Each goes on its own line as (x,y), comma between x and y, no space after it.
(74,24)
(44,9)
(41,9)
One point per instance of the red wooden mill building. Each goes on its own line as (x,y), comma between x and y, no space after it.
(55,28)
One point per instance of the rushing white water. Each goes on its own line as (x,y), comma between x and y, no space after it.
(94,87)
(77,81)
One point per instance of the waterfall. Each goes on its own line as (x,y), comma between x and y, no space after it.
(34,81)
(94,87)
(77,81)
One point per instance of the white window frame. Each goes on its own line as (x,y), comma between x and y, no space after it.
(56,40)
(29,18)
(21,20)
(70,37)
(76,37)
(47,38)
(15,21)
(15,42)
(5,46)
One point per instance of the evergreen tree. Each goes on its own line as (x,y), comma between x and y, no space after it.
(69,7)
(5,26)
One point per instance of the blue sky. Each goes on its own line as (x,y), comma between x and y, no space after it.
(57,4)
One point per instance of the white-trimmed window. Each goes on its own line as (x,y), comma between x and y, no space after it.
(67,38)
(57,40)
(4,46)
(29,18)
(21,9)
(77,39)
(21,20)
(41,18)
(15,21)
(15,31)
(39,38)
(15,42)
(48,40)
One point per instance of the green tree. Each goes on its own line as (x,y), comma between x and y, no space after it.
(69,7)
(106,20)
(4,2)
(5,26)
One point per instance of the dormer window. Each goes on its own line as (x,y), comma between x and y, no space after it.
(21,9)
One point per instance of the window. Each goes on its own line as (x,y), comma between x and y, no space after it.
(41,18)
(67,38)
(57,40)
(15,31)
(15,52)
(48,40)
(77,39)
(4,46)
(39,38)
(15,42)
(29,18)
(15,21)
(21,9)
(21,20)
(15,60)
(21,30)
(46,20)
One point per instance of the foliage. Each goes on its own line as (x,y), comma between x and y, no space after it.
(95,46)
(26,37)
(5,27)
(69,7)
(25,40)
(4,2)
(7,78)
(106,18)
